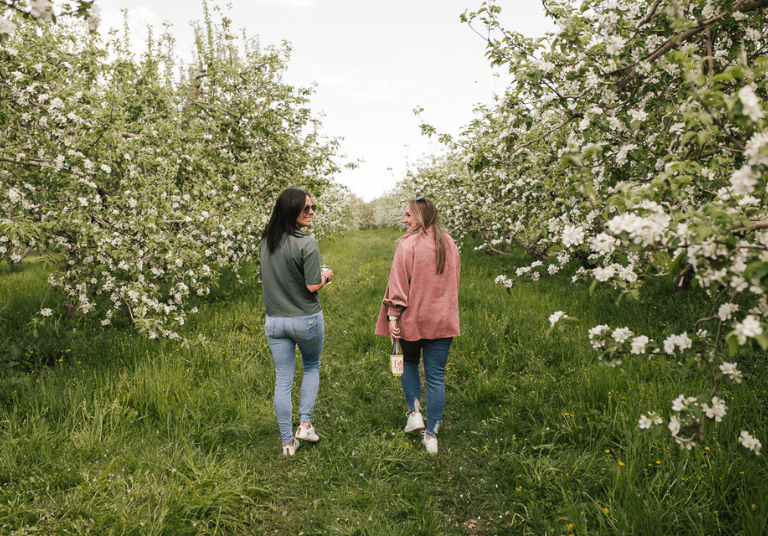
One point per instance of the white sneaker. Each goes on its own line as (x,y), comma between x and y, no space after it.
(290,450)
(415,422)
(307,434)
(429,444)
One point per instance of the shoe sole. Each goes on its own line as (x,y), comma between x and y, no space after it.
(414,429)
(315,440)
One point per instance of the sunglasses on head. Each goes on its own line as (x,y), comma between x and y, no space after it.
(419,198)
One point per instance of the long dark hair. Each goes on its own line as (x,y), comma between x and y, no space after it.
(288,206)
(424,212)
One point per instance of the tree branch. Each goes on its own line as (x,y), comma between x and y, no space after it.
(744,6)
(36,164)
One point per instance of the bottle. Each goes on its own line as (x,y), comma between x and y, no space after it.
(396,359)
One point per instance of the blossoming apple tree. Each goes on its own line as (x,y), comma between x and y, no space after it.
(45,11)
(338,211)
(142,180)
(632,145)
(387,210)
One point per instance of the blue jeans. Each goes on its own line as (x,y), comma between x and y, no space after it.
(283,335)
(435,352)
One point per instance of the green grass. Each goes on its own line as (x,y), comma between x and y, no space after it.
(105,432)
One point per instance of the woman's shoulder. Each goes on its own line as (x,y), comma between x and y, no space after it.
(298,244)
(408,240)
(307,242)
(301,238)
(416,237)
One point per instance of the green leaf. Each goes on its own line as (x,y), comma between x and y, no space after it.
(723,77)
(758,269)
(733,344)
(762,339)
(687,137)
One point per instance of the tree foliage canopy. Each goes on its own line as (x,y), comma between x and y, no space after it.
(141,180)
(631,143)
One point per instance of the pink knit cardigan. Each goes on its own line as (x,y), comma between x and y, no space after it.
(426,302)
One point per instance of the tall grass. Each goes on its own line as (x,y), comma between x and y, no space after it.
(105,432)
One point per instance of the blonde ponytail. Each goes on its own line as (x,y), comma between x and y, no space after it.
(424,212)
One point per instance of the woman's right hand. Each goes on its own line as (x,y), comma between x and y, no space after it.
(326,276)
(394,329)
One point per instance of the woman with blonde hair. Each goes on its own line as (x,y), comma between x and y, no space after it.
(421,308)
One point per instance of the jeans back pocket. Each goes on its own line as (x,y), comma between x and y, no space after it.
(306,328)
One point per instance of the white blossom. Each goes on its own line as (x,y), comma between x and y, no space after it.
(595,336)
(14,194)
(603,274)
(743,181)
(621,334)
(626,273)
(94,18)
(751,103)
(753,147)
(748,328)
(651,419)
(645,422)
(639,344)
(674,425)
(7,27)
(41,9)
(730,370)
(621,156)
(726,310)
(556,316)
(750,442)
(717,410)
(681,341)
(572,235)
(614,45)
(642,230)
(681,403)
(603,244)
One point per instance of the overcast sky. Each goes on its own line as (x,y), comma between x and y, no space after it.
(373,62)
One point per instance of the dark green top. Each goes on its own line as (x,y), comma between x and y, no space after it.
(286,274)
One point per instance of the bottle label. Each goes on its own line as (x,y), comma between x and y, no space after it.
(396,362)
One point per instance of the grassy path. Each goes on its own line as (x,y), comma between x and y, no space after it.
(121,435)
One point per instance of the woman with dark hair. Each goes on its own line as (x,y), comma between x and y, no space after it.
(291,275)
(421,308)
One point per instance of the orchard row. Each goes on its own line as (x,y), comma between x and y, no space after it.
(631,145)
(142,179)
